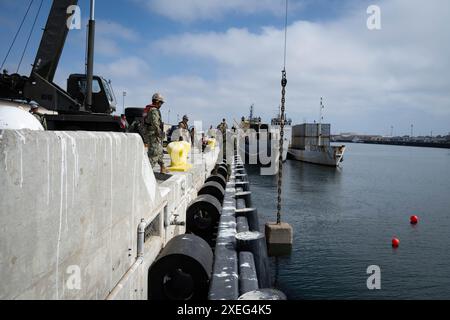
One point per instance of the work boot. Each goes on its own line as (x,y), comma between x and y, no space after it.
(164,170)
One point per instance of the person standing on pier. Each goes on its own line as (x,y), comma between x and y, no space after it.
(155,132)
(184,124)
(223,127)
(34,110)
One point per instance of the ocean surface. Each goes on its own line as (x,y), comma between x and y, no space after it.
(344,220)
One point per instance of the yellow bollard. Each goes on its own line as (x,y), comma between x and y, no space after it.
(179,152)
(212,143)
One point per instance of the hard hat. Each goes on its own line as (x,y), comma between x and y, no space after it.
(158,97)
(185,117)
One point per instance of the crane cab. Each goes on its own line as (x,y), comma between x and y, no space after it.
(103,99)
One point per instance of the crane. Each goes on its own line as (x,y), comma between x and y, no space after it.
(77,108)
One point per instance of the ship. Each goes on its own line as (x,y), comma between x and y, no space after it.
(311,143)
(260,141)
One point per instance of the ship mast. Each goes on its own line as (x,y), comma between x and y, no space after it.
(322,107)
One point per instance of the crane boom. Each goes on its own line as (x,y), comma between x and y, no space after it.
(53,40)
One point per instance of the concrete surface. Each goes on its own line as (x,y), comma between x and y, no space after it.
(70,207)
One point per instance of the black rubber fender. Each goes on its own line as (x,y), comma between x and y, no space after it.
(202,217)
(182,271)
(255,242)
(214,189)
(225,166)
(223,172)
(219,179)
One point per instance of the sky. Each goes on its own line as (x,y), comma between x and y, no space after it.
(213,59)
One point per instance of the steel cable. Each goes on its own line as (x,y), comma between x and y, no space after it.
(17,34)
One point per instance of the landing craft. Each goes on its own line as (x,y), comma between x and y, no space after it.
(311,143)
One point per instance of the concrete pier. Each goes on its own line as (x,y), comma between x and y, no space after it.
(72,205)
(280,238)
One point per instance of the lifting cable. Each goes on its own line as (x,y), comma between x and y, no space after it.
(282,115)
(29,36)
(17,33)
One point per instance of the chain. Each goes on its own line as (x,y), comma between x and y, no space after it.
(282,120)
(280,164)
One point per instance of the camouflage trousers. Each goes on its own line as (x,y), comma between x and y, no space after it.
(155,152)
(42,120)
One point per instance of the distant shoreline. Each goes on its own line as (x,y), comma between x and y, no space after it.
(403,143)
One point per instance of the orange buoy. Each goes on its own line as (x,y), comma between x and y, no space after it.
(414,220)
(395,243)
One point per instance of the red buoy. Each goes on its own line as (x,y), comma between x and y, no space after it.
(414,220)
(395,243)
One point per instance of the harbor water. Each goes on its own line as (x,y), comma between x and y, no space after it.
(344,221)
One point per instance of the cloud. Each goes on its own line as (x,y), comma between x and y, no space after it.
(193,10)
(370,79)
(124,68)
(110,34)
(110,37)
(107,47)
(130,74)
(105,28)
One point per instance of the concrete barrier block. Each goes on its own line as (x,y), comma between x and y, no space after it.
(71,199)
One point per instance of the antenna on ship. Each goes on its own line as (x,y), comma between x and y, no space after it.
(322,107)
(280,235)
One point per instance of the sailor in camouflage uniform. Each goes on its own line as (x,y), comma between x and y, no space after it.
(154,129)
(184,124)
(34,110)
(223,127)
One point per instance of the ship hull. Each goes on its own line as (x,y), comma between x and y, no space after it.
(326,156)
(287,139)
(262,148)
